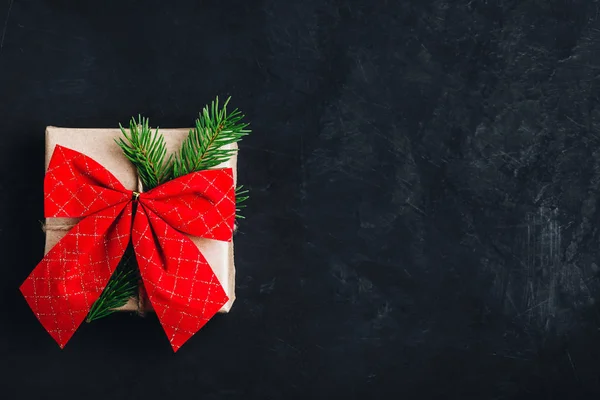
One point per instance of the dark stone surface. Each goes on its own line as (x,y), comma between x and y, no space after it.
(424,175)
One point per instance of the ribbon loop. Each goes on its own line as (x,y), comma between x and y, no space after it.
(179,282)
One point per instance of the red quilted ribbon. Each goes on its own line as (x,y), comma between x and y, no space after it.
(180,284)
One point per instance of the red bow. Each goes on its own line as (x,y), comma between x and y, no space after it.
(183,290)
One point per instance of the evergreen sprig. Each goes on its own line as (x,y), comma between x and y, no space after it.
(147,151)
(122,285)
(203,148)
(241,195)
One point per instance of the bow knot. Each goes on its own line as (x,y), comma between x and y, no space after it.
(179,282)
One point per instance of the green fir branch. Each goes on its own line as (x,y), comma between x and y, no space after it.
(241,195)
(147,151)
(123,285)
(203,148)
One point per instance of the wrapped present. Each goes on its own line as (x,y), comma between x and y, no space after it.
(180,230)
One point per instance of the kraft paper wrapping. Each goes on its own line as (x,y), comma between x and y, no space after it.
(100,145)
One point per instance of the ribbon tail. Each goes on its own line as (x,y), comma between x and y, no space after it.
(71,276)
(181,285)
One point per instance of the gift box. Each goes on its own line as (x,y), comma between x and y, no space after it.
(139,220)
(100,145)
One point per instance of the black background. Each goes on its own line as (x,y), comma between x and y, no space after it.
(424,179)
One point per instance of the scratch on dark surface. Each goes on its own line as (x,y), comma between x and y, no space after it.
(572,364)
(537,289)
(544,268)
(534,307)
(362,69)
(288,345)
(416,208)
(6,24)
